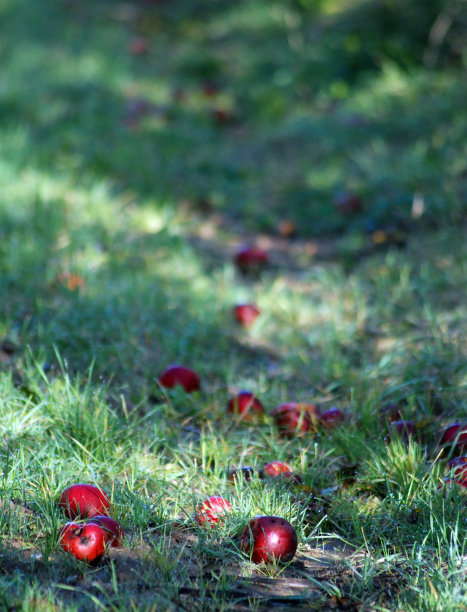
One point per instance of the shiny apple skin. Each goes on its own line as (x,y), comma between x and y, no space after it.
(212,510)
(84,501)
(180,375)
(85,542)
(113,532)
(246,405)
(268,539)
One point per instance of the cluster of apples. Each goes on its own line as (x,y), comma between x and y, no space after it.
(88,539)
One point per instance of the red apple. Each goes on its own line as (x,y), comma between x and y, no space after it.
(403,428)
(331,418)
(277,468)
(179,375)
(212,510)
(246,314)
(85,542)
(251,259)
(269,539)
(138,45)
(113,532)
(292,419)
(347,203)
(458,462)
(84,500)
(245,405)
(237,473)
(454,435)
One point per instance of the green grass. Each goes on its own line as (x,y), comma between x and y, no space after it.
(114,168)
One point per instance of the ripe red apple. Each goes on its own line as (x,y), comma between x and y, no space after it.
(212,510)
(84,500)
(277,468)
(251,259)
(269,538)
(114,535)
(460,463)
(237,473)
(245,405)
(454,435)
(347,203)
(179,375)
(404,429)
(331,418)
(246,314)
(85,542)
(292,419)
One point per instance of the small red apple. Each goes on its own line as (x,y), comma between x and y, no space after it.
(331,418)
(292,419)
(347,203)
(180,375)
(84,500)
(404,429)
(251,259)
(269,539)
(454,435)
(212,510)
(114,535)
(246,314)
(85,542)
(277,468)
(460,463)
(237,473)
(245,405)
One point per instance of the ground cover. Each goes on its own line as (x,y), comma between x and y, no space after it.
(141,144)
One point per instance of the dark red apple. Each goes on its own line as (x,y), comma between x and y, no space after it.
(331,418)
(458,463)
(246,314)
(347,203)
(251,259)
(269,539)
(85,542)
(180,375)
(84,500)
(245,405)
(113,532)
(404,429)
(241,472)
(212,510)
(454,435)
(292,419)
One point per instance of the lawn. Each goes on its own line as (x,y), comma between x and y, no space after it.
(142,144)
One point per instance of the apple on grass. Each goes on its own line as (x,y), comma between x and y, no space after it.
(280,469)
(113,532)
(404,429)
(212,510)
(246,314)
(180,375)
(269,539)
(251,259)
(292,419)
(84,501)
(85,542)
(245,405)
(454,435)
(331,418)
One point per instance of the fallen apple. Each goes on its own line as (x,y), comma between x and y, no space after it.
(212,510)
(292,419)
(251,259)
(180,375)
(454,435)
(246,473)
(331,418)
(404,429)
(279,469)
(84,501)
(114,535)
(245,405)
(269,539)
(85,542)
(246,314)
